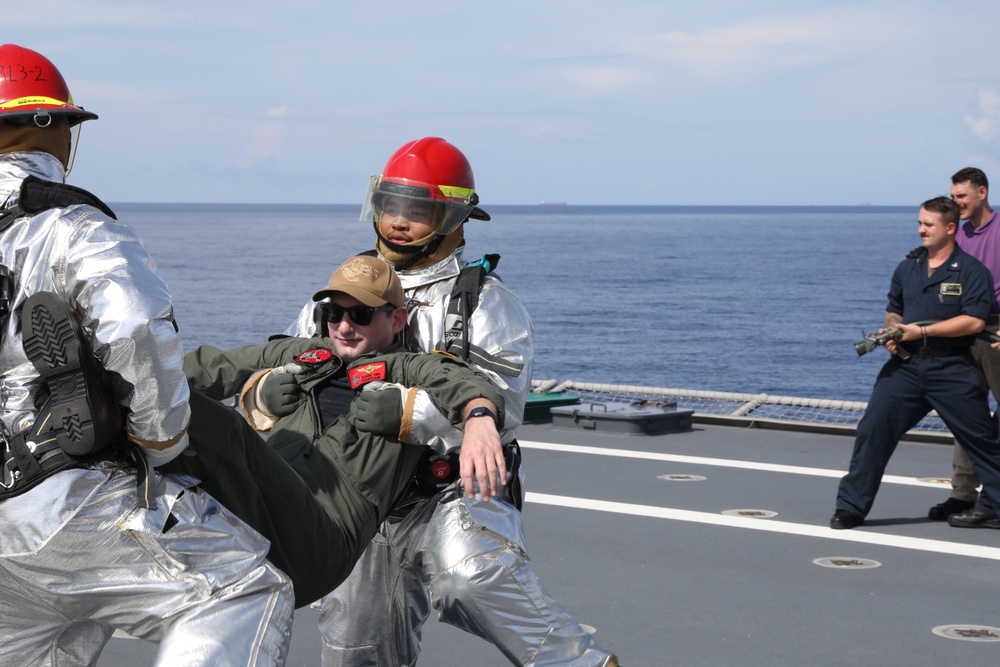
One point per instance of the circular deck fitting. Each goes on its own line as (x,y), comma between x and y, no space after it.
(751,514)
(969,633)
(682,478)
(935,480)
(847,563)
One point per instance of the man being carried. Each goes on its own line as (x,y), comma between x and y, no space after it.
(300,390)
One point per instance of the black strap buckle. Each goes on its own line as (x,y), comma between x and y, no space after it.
(31,457)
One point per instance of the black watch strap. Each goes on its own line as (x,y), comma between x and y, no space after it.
(482,412)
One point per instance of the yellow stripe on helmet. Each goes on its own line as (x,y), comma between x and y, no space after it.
(31,101)
(455,192)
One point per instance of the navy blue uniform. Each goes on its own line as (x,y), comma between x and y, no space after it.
(940,374)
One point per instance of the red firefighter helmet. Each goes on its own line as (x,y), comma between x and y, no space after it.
(429,169)
(31,88)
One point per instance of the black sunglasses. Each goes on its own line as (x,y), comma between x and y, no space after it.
(360,315)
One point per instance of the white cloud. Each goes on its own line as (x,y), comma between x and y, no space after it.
(279,112)
(267,140)
(777,43)
(985,124)
(606,78)
(800,46)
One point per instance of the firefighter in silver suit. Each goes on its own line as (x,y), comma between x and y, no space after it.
(92,537)
(458,551)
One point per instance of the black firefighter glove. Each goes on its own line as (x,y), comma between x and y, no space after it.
(378,409)
(279,392)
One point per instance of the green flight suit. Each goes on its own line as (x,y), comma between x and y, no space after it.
(317,495)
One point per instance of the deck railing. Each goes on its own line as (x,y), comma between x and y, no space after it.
(748,410)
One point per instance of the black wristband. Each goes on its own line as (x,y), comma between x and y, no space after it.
(482,412)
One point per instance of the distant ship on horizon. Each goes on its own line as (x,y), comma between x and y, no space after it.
(551,203)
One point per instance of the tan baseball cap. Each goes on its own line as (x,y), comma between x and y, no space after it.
(368,279)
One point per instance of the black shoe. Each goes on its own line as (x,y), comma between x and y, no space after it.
(974,518)
(942,511)
(844,520)
(84,418)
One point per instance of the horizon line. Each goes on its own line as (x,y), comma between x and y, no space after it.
(544,206)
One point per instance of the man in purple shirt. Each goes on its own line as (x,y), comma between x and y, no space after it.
(980,237)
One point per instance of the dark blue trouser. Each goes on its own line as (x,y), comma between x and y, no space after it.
(904,393)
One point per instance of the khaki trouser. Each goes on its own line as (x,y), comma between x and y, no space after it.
(964,481)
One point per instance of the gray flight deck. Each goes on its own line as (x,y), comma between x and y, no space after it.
(666,546)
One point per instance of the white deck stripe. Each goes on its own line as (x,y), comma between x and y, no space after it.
(769,525)
(726,463)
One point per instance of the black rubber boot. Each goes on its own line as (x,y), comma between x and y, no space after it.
(84,416)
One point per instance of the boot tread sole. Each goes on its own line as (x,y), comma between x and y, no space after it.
(53,347)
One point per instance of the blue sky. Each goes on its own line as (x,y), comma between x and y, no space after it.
(722,102)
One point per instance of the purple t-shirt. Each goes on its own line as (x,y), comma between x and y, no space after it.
(983,243)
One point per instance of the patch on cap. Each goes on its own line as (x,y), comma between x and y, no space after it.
(362,375)
(315,356)
(368,279)
(357,269)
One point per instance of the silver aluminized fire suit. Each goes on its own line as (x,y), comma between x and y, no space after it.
(78,557)
(465,558)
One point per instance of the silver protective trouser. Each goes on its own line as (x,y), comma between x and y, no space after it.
(188,575)
(465,559)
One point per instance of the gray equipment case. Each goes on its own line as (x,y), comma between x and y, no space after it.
(636,418)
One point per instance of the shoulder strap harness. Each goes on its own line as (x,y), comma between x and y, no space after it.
(38,195)
(464,300)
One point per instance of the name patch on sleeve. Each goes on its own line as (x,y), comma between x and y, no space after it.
(362,375)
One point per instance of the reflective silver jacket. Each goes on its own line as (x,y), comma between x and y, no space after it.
(101,266)
(500,325)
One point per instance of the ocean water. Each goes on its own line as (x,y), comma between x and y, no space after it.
(744,299)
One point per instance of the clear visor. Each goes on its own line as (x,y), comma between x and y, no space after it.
(74,139)
(413,202)
(367,215)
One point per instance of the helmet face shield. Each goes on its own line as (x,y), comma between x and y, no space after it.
(442,208)
(74,139)
(367,215)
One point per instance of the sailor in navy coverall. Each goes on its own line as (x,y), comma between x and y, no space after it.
(936,283)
